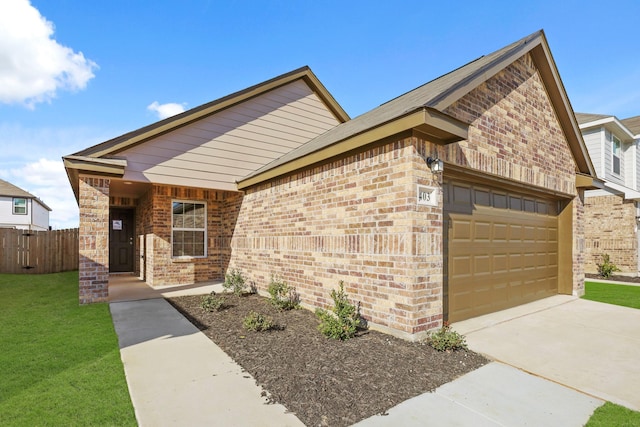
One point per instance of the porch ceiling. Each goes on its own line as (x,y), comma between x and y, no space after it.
(131,189)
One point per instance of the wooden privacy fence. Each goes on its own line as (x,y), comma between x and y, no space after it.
(24,251)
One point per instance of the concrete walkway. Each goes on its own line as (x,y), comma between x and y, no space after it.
(494,395)
(589,346)
(178,376)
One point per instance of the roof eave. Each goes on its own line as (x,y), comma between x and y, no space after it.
(536,45)
(76,165)
(546,65)
(144,134)
(434,125)
(612,124)
(588,182)
(483,74)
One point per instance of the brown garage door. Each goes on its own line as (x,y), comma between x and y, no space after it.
(501,249)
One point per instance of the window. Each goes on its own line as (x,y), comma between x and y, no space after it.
(189,232)
(616,154)
(19,206)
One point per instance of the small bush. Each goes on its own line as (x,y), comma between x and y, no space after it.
(446,339)
(257,322)
(212,302)
(235,282)
(283,296)
(342,321)
(607,268)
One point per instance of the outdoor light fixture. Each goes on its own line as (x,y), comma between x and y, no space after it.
(436,165)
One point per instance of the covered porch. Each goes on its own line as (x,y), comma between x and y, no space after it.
(128,287)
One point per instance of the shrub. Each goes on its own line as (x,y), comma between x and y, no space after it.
(607,268)
(212,302)
(234,281)
(446,339)
(283,296)
(257,322)
(342,321)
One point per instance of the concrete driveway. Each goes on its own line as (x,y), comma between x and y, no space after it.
(589,346)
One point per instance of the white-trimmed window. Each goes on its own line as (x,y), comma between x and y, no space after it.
(615,149)
(189,229)
(19,206)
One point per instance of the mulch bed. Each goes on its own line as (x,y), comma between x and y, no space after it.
(325,382)
(615,278)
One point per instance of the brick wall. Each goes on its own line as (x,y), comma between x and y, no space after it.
(514,131)
(93,242)
(610,228)
(153,222)
(356,219)
(353,220)
(579,241)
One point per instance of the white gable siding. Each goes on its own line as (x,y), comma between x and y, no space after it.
(218,150)
(637,164)
(629,161)
(593,139)
(608,163)
(39,216)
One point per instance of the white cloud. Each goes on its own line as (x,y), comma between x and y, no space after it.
(34,66)
(31,158)
(166,110)
(47,180)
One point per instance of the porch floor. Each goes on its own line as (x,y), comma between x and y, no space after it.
(127,287)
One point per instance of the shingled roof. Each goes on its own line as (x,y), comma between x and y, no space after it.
(588,117)
(9,190)
(429,100)
(633,124)
(625,129)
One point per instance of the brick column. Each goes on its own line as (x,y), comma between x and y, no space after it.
(94,239)
(578,244)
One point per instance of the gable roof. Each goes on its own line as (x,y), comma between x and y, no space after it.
(422,109)
(611,123)
(9,190)
(102,158)
(589,117)
(633,124)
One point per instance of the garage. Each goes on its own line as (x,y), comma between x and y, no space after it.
(501,248)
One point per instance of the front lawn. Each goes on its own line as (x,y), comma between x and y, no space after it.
(625,295)
(59,363)
(611,414)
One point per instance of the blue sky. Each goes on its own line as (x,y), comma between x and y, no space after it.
(74,73)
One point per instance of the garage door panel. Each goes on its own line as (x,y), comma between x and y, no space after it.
(481,264)
(482,231)
(502,249)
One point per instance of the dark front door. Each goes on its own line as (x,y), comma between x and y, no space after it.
(121,244)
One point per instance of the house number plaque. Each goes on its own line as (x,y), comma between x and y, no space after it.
(427,196)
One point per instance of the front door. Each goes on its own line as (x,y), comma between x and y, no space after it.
(121,245)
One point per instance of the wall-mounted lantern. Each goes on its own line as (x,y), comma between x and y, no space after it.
(436,165)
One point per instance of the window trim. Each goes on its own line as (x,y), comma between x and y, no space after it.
(26,206)
(204,229)
(616,141)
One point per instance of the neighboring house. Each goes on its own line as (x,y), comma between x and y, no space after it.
(21,209)
(612,213)
(277,180)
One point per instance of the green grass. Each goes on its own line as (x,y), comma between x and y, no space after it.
(59,362)
(625,295)
(611,414)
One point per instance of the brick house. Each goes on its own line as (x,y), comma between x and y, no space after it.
(612,212)
(278,180)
